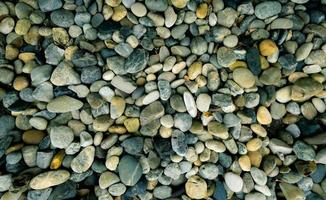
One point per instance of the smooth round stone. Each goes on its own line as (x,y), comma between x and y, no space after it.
(61,136)
(267,47)
(107,179)
(196,187)
(117,189)
(62,18)
(49,5)
(258,175)
(225,56)
(151,112)
(156,5)
(203,102)
(233,181)
(303,51)
(227,17)
(130,170)
(198,45)
(49,179)
(287,61)
(271,76)
(300,1)
(7,25)
(244,77)
(264,116)
(277,110)
(282,23)
(245,163)
(267,9)
(209,171)
(84,160)
(33,136)
(22,26)
(230,41)
(5,180)
(151,97)
(162,192)
(283,95)
(254,144)
(138,9)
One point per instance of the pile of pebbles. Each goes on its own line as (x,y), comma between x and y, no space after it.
(162,99)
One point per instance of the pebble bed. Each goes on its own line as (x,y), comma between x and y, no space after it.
(162,99)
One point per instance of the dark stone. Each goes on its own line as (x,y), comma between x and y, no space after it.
(163,147)
(219,193)
(288,61)
(39,194)
(66,190)
(133,145)
(137,61)
(7,123)
(253,60)
(108,27)
(83,59)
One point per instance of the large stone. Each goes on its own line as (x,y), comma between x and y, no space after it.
(233,181)
(49,179)
(267,9)
(84,160)
(64,104)
(64,74)
(305,88)
(117,107)
(61,136)
(137,61)
(196,187)
(123,84)
(107,179)
(151,112)
(130,170)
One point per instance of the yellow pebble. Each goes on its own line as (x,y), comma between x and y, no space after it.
(20,83)
(179,3)
(11,52)
(201,11)
(244,162)
(69,52)
(131,124)
(117,129)
(119,13)
(238,64)
(254,144)
(267,47)
(258,129)
(26,56)
(264,63)
(264,116)
(113,3)
(194,70)
(255,158)
(57,159)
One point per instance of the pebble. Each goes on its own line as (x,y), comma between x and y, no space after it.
(6,182)
(107,179)
(64,74)
(151,112)
(244,77)
(130,170)
(267,9)
(61,136)
(190,104)
(117,107)
(196,187)
(84,160)
(233,181)
(203,102)
(264,116)
(258,175)
(49,179)
(64,104)
(267,47)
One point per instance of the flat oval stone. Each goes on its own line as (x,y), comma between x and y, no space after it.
(84,160)
(233,181)
(62,18)
(64,104)
(151,112)
(267,9)
(49,179)
(196,187)
(61,136)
